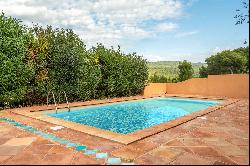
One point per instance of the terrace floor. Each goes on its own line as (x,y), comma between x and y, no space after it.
(220,137)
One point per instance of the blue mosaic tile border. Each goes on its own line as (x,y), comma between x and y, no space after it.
(77,146)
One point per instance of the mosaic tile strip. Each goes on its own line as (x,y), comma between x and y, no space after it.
(77,146)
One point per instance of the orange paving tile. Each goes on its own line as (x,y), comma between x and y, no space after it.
(221,138)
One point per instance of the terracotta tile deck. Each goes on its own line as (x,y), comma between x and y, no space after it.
(220,138)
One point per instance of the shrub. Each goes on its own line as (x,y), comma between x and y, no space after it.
(186,70)
(61,63)
(37,60)
(121,75)
(159,78)
(227,62)
(203,72)
(15,73)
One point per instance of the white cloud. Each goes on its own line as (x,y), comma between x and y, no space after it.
(220,49)
(216,50)
(191,2)
(106,21)
(166,27)
(184,34)
(153,58)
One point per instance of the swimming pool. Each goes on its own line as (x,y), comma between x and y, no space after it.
(131,116)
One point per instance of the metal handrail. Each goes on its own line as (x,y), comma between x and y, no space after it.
(53,98)
(67,101)
(54,101)
(58,100)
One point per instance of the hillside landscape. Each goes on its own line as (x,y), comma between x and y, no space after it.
(170,68)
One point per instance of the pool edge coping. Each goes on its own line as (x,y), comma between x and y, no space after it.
(137,135)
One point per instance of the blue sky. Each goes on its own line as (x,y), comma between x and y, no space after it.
(207,27)
(156,29)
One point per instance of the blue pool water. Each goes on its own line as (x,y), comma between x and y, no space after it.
(127,117)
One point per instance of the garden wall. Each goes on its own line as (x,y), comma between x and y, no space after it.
(155,89)
(230,85)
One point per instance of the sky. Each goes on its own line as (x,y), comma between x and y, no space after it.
(158,30)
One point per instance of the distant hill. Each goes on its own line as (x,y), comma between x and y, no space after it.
(170,68)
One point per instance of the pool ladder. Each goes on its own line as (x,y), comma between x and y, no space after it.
(53,95)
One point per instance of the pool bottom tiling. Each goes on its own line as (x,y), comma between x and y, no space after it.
(131,116)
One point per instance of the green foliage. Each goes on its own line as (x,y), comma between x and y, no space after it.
(96,73)
(39,60)
(242,15)
(121,75)
(160,78)
(227,62)
(170,69)
(203,72)
(15,74)
(61,63)
(244,51)
(175,80)
(38,57)
(69,67)
(186,70)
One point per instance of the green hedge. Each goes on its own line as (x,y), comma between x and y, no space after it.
(160,79)
(227,62)
(34,61)
(121,75)
(15,74)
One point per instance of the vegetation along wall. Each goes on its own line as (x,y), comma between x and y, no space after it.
(229,85)
(37,60)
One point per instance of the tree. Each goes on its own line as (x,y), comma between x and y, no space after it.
(186,70)
(67,57)
(244,51)
(242,15)
(14,72)
(155,78)
(121,74)
(61,63)
(227,62)
(203,72)
(37,60)
(38,57)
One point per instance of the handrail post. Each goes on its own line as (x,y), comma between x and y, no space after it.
(59,98)
(48,99)
(67,101)
(54,101)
